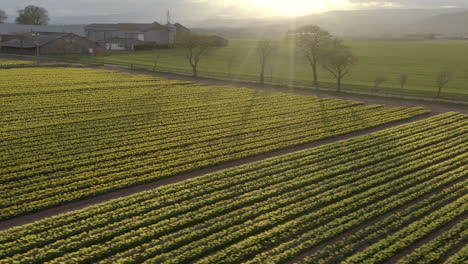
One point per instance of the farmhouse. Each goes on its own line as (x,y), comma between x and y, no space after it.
(130,36)
(36,43)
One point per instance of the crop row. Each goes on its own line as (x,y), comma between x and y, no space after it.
(276,210)
(347,245)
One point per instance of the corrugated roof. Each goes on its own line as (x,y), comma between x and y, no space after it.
(32,40)
(15,29)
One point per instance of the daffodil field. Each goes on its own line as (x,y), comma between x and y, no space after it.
(368,199)
(9,62)
(72,133)
(397,195)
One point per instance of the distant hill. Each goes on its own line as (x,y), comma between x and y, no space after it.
(453,23)
(357,23)
(354,23)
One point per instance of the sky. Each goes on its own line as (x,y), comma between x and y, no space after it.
(197,10)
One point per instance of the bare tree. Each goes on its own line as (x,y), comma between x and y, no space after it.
(403,79)
(312,41)
(265,48)
(195,47)
(442,79)
(230,63)
(3,16)
(272,71)
(156,60)
(33,15)
(377,82)
(338,60)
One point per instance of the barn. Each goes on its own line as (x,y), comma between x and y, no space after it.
(131,36)
(37,43)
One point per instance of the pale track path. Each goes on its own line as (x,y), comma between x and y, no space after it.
(26,219)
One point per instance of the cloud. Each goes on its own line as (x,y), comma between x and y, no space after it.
(186,11)
(411,3)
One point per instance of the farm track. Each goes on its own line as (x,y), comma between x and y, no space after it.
(18,221)
(408,101)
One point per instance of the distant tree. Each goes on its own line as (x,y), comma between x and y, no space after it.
(195,46)
(378,81)
(403,79)
(265,49)
(443,78)
(3,16)
(338,60)
(312,42)
(33,15)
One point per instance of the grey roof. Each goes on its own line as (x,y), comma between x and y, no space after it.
(32,40)
(14,29)
(181,27)
(125,27)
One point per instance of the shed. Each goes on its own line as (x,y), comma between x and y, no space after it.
(47,44)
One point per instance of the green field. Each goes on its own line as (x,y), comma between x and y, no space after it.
(420,60)
(370,199)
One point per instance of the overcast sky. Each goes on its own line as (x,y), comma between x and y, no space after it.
(195,10)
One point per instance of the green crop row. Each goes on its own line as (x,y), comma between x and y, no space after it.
(434,250)
(393,188)
(459,257)
(339,250)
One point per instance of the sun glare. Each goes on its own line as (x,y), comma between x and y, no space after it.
(293,7)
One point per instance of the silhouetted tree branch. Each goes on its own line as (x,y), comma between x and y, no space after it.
(338,60)
(312,42)
(265,48)
(443,78)
(195,47)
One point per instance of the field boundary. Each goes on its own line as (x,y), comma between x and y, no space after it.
(435,105)
(73,206)
(231,81)
(134,68)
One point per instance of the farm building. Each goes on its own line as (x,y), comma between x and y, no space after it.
(47,43)
(128,36)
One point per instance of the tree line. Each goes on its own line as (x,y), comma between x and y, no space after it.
(30,15)
(319,48)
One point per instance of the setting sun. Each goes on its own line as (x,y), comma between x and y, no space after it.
(295,7)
